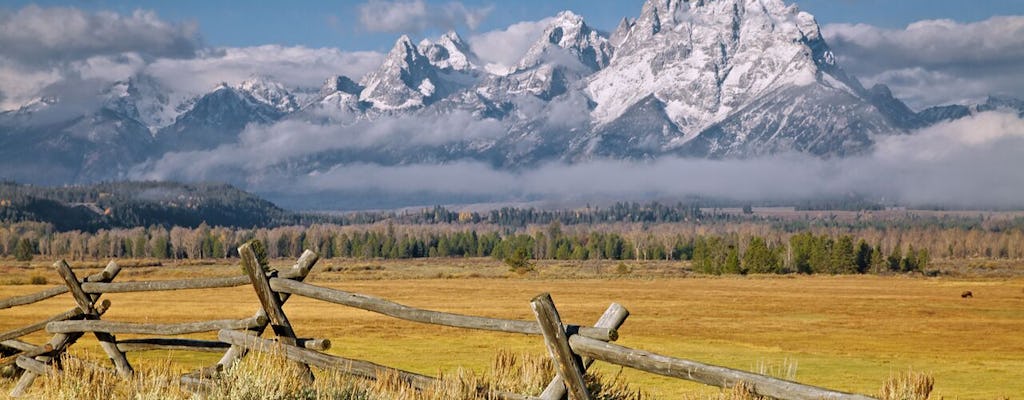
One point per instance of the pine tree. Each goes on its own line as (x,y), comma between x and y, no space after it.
(24,250)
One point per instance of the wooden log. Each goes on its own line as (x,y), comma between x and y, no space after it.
(82,298)
(132,345)
(407,313)
(703,373)
(271,303)
(16,333)
(152,329)
(18,345)
(360,368)
(48,293)
(85,302)
(38,351)
(61,341)
(156,286)
(315,344)
(613,317)
(34,366)
(567,364)
(298,272)
(33,298)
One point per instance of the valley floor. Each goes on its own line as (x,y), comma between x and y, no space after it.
(843,332)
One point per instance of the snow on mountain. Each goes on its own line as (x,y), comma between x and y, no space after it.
(267,91)
(450,53)
(568,35)
(405,80)
(219,116)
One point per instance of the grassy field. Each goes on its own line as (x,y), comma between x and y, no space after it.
(848,332)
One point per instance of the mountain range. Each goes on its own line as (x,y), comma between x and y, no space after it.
(702,79)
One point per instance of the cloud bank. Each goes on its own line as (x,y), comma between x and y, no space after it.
(936,62)
(415,16)
(973,162)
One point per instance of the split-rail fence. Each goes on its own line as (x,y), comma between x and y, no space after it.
(572,348)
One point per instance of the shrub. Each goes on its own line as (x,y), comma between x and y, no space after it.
(37,280)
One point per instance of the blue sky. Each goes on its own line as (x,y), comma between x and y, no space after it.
(314,23)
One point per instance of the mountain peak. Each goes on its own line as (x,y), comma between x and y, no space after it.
(568,34)
(450,52)
(407,79)
(264,89)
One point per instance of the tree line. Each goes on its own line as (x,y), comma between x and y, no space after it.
(713,249)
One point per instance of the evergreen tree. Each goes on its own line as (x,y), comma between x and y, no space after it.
(732,262)
(758,258)
(24,250)
(864,252)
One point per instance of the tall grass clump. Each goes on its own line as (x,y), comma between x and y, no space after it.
(908,386)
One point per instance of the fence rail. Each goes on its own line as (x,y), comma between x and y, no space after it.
(573,348)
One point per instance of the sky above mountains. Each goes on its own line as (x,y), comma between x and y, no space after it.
(359,25)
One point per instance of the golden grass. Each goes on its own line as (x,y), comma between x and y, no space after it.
(271,376)
(849,333)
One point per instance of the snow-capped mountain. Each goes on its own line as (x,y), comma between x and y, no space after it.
(709,78)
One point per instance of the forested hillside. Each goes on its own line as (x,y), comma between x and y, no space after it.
(131,204)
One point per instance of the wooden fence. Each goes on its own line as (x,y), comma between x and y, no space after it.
(573,348)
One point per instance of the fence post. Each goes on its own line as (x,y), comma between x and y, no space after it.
(567,364)
(61,341)
(233,354)
(271,302)
(87,303)
(612,318)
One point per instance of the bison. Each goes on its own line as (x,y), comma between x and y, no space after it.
(967,294)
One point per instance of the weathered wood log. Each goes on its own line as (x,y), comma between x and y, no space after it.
(86,303)
(407,313)
(33,298)
(567,364)
(156,286)
(315,344)
(360,368)
(132,345)
(703,373)
(38,351)
(152,329)
(270,302)
(298,272)
(18,345)
(52,292)
(613,317)
(16,333)
(36,367)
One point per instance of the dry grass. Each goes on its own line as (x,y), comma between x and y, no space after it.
(271,376)
(845,332)
(908,386)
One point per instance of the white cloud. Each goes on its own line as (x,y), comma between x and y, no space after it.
(294,66)
(414,16)
(936,61)
(39,36)
(503,48)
